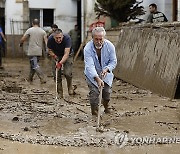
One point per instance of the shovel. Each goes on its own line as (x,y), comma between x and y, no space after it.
(99,106)
(56,82)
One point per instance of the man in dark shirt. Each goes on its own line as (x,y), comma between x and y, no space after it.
(59,47)
(155,16)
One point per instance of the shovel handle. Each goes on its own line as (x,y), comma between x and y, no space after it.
(56,81)
(99,106)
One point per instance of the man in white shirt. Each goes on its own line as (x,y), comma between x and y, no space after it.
(100,59)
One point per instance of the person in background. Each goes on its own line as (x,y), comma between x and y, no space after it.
(53,29)
(36,37)
(155,16)
(2,38)
(100,60)
(75,38)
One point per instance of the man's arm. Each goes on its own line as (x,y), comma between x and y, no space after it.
(66,55)
(112,61)
(165,18)
(45,40)
(64,58)
(3,36)
(149,19)
(90,67)
(23,39)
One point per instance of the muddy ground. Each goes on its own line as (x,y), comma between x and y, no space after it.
(33,121)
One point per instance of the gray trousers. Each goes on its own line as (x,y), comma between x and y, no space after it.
(94,92)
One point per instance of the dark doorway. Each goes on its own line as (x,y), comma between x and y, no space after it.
(177,95)
(79,17)
(2,24)
(175,10)
(2,18)
(48,17)
(34,14)
(79,11)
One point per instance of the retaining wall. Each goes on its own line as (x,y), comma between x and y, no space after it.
(150,58)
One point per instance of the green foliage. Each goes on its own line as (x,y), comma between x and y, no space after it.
(120,10)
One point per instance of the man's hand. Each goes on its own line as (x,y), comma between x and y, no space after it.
(58,65)
(20,44)
(55,58)
(104,72)
(99,82)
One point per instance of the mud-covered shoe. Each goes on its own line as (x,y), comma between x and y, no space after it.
(30,80)
(107,111)
(106,107)
(94,110)
(71,91)
(60,94)
(69,85)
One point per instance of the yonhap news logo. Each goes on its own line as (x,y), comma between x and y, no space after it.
(122,139)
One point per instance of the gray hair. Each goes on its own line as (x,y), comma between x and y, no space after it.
(98,29)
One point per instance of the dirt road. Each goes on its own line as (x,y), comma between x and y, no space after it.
(141,122)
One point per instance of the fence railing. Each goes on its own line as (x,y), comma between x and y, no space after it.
(18,27)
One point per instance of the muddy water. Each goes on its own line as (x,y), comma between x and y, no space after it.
(47,123)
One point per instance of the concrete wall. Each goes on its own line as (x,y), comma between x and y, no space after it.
(149,58)
(13,46)
(13,11)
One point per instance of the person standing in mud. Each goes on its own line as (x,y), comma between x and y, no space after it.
(75,37)
(36,37)
(100,59)
(2,37)
(59,46)
(53,29)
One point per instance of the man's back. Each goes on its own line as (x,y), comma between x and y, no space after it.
(157,17)
(36,38)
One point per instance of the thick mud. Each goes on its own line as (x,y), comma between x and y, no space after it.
(29,113)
